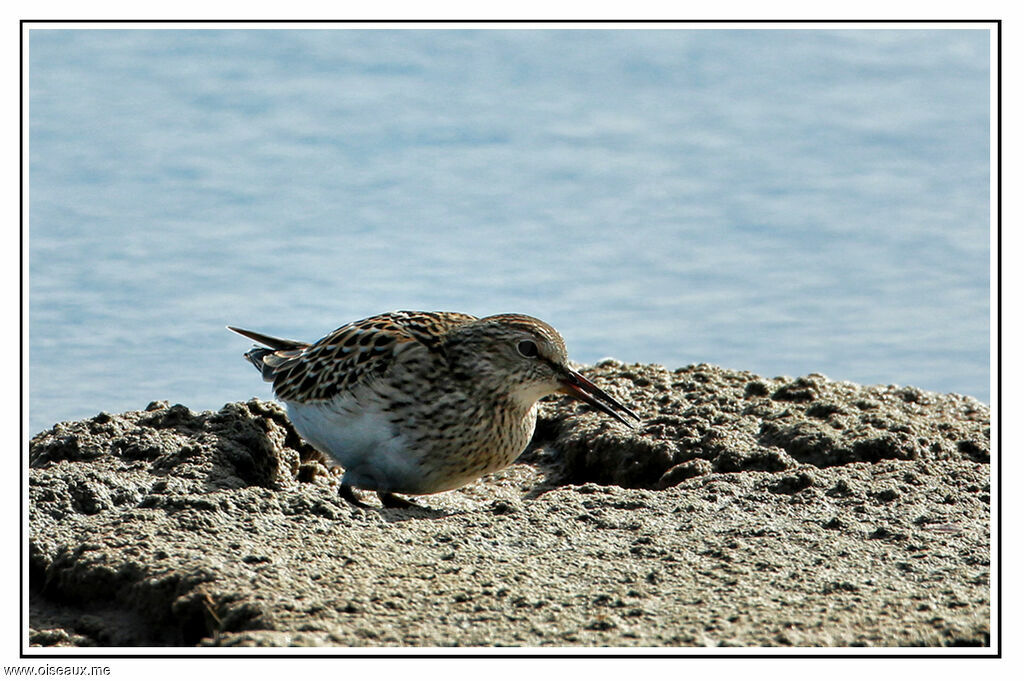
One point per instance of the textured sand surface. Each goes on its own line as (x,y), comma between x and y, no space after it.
(745,511)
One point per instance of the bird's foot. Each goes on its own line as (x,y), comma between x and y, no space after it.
(391,501)
(388,499)
(348,494)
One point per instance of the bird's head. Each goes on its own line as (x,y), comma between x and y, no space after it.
(526,359)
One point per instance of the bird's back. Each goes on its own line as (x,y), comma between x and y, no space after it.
(351,355)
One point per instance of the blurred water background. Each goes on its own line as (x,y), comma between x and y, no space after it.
(781,201)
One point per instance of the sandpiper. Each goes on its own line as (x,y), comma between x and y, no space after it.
(422,402)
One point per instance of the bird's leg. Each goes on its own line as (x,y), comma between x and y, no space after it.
(348,494)
(391,501)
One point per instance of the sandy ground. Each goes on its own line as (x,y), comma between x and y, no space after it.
(745,511)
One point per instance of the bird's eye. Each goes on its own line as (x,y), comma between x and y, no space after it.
(527,348)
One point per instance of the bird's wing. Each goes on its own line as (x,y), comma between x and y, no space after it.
(356,353)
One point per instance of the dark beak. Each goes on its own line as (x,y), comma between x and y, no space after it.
(575,385)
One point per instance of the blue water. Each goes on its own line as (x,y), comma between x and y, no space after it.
(773,200)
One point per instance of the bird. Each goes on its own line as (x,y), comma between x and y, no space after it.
(416,403)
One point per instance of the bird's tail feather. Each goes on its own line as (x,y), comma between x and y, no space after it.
(280,352)
(270,341)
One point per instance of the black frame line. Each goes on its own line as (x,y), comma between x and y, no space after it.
(996,651)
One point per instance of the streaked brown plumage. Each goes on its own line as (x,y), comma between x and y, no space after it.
(422,402)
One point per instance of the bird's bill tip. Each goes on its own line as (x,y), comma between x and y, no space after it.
(575,385)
